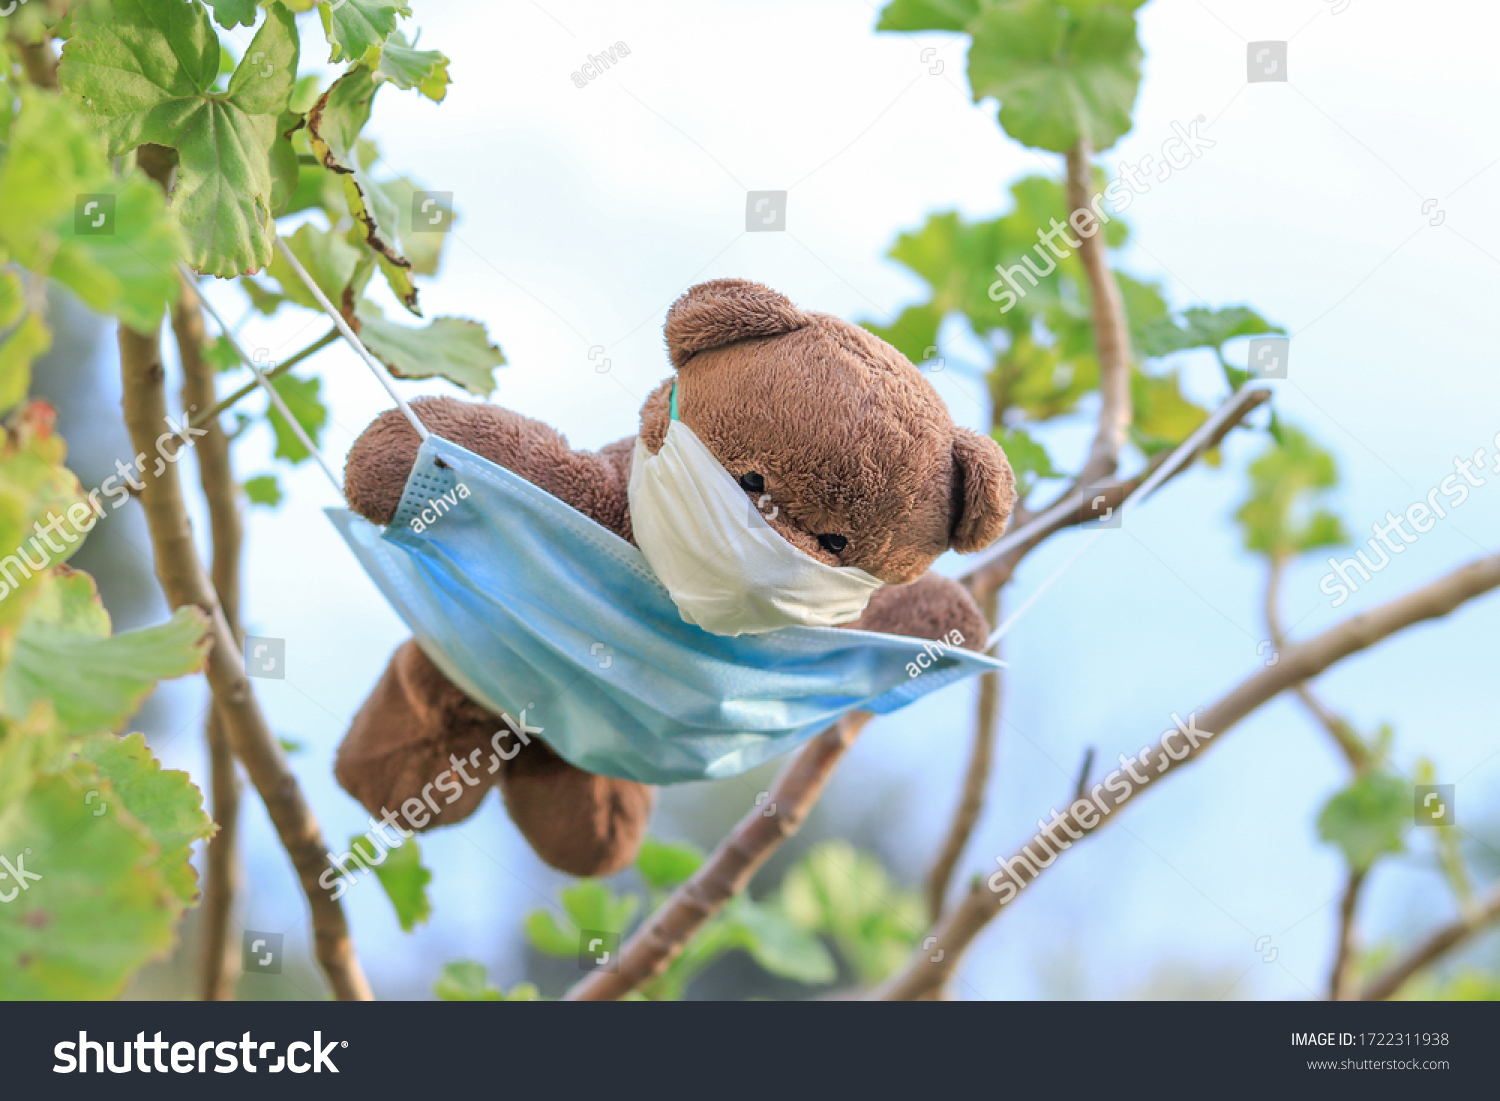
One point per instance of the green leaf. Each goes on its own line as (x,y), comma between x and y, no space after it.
(549,937)
(928,15)
(913,333)
(261,297)
(465,981)
(405,882)
(263,490)
(12,298)
(18,351)
(452,348)
(64,652)
(123,265)
(339,269)
(219,354)
(169,57)
(1282,516)
(290,746)
(166,802)
(301,397)
(405,67)
(778,944)
(1367,819)
(233,13)
(102,908)
(594,906)
(424,250)
(1163,416)
(1200,328)
(1028,458)
(846,893)
(1061,73)
(356,26)
(333,128)
(664,865)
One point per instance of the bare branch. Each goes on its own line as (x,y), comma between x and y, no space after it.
(993,567)
(1299,662)
(1341,979)
(728,869)
(1438,944)
(220,960)
(976,778)
(1111,331)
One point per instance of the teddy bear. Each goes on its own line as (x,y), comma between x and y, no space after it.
(835,438)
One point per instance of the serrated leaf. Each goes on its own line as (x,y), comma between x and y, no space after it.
(465,981)
(424,250)
(102,908)
(263,490)
(356,26)
(549,937)
(407,68)
(118,254)
(1287,481)
(165,802)
(339,269)
(927,15)
(65,653)
(19,349)
(301,397)
(223,190)
(452,348)
(405,882)
(334,125)
(1061,72)
(1367,819)
(1199,328)
(778,944)
(663,865)
(233,13)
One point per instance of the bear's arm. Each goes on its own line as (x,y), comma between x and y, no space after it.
(931,607)
(382,458)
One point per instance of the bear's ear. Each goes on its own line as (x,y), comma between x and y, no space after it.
(723,311)
(984,489)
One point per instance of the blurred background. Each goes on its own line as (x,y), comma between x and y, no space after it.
(1348,204)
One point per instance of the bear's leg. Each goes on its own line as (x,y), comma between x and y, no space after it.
(578,822)
(931,607)
(418,743)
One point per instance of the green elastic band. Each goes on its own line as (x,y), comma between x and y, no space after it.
(674,402)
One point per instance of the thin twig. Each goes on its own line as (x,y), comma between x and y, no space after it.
(993,567)
(280,369)
(728,869)
(1111,330)
(976,779)
(1438,944)
(220,961)
(1341,977)
(184,582)
(1299,662)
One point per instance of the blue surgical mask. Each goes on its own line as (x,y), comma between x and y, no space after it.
(526,604)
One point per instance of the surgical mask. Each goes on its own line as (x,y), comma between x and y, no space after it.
(728,570)
(526,604)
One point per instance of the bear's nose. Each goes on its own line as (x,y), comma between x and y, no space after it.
(753,482)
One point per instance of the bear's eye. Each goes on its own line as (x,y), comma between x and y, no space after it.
(753,482)
(834,544)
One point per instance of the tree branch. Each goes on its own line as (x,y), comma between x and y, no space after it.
(1438,944)
(213,413)
(976,778)
(1299,662)
(1111,331)
(991,568)
(1341,978)
(220,960)
(728,869)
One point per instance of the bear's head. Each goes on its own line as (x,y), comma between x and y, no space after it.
(847,450)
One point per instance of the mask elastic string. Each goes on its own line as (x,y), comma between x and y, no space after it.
(276,399)
(1010,621)
(349,335)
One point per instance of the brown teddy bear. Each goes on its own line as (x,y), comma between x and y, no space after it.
(846,449)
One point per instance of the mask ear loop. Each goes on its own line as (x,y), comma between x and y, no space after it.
(276,399)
